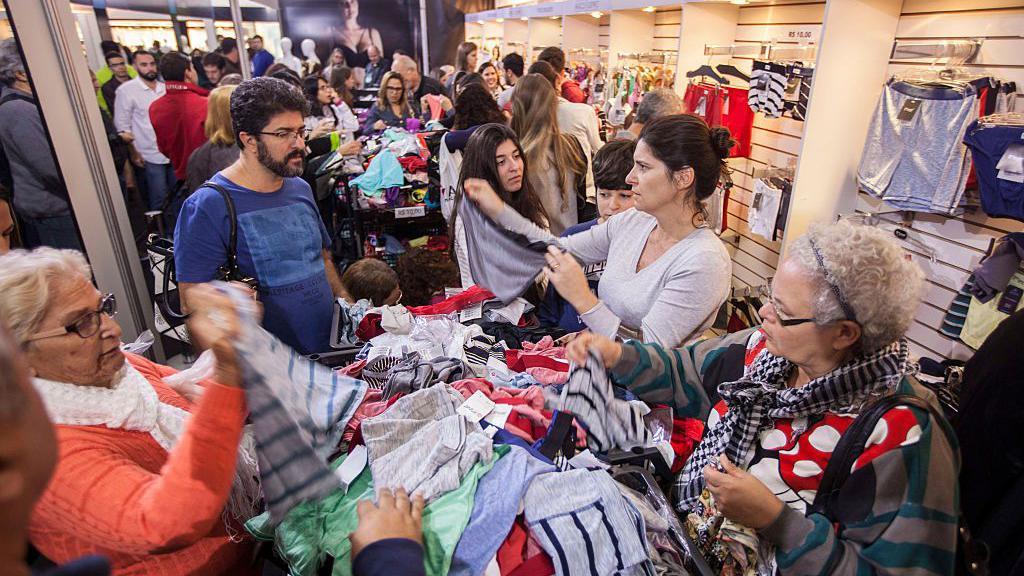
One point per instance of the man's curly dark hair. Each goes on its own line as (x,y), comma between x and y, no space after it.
(256,101)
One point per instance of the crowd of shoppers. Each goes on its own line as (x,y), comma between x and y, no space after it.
(129,474)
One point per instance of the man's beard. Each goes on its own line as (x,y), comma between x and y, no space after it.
(149,77)
(280,167)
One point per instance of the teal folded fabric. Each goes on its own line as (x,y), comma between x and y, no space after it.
(383,172)
(314,530)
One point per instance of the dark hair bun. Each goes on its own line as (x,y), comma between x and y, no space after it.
(722,142)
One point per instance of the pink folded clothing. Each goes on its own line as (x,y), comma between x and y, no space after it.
(353,370)
(532,396)
(546,347)
(547,376)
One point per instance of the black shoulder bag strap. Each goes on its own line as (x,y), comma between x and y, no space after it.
(229,270)
(851,446)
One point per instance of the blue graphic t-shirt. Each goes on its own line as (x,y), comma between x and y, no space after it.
(281,239)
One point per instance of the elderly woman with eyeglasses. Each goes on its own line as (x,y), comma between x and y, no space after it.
(831,344)
(145,477)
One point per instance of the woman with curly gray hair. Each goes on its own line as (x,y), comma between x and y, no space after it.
(831,345)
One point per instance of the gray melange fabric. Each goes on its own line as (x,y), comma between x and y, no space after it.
(673,300)
(610,422)
(921,164)
(412,374)
(503,262)
(298,409)
(584,523)
(421,443)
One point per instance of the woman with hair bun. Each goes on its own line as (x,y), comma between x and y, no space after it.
(667,273)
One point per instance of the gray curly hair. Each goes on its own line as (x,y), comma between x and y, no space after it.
(26,281)
(10,61)
(873,274)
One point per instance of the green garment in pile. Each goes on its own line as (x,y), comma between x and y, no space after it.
(314,530)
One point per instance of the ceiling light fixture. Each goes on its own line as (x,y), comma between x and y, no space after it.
(525,19)
(740,2)
(649,9)
(499,20)
(596,14)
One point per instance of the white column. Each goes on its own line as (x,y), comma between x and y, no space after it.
(46,31)
(211,34)
(629,31)
(703,25)
(856,40)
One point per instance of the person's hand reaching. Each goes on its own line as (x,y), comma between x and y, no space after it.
(480,192)
(213,324)
(394,516)
(607,349)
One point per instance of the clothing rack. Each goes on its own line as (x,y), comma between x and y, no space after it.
(1007,119)
(960,51)
(786,52)
(651,57)
(900,230)
(773,172)
(754,50)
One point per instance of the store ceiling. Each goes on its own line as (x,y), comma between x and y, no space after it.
(160,6)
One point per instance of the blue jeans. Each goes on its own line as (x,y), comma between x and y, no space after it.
(160,181)
(53,231)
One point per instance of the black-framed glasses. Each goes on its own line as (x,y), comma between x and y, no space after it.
(85,327)
(766,293)
(302,133)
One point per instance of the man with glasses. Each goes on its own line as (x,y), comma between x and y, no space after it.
(282,243)
(117,72)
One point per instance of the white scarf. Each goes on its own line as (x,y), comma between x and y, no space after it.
(131,403)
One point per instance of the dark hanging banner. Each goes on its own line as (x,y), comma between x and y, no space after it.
(353,25)
(446,26)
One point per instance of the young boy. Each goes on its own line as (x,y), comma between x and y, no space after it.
(612,164)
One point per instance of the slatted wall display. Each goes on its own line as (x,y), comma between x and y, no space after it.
(959,242)
(666,30)
(775,142)
(604,33)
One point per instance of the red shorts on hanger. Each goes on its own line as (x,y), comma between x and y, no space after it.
(739,119)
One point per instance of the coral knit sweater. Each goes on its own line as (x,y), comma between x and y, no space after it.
(117,493)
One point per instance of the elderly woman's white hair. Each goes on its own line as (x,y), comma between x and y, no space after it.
(872,272)
(26,280)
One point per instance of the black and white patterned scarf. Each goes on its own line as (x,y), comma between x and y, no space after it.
(762,396)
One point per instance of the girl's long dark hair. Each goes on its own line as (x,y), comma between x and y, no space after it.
(478,161)
(311,88)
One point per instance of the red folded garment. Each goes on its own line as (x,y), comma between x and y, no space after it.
(520,361)
(461,301)
(437,243)
(518,556)
(686,435)
(369,327)
(413,164)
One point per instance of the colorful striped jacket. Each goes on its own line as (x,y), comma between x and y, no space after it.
(898,509)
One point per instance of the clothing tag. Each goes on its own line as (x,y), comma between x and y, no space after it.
(377,352)
(496,371)
(490,431)
(476,407)
(410,212)
(449,292)
(586,459)
(499,415)
(755,202)
(472,313)
(909,110)
(1017,177)
(1010,299)
(352,467)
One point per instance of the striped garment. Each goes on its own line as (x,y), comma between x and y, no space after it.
(423,445)
(900,512)
(585,525)
(610,422)
(298,410)
(768,88)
